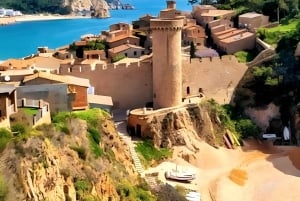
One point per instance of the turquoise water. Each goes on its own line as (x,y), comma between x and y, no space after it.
(23,38)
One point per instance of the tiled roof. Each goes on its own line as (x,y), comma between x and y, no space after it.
(121,38)
(81,43)
(124,47)
(59,78)
(16,72)
(98,99)
(216,13)
(46,62)
(93,51)
(232,33)
(17,63)
(7,88)
(250,15)
(237,37)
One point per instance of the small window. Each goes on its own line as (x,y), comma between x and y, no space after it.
(188,90)
(134,53)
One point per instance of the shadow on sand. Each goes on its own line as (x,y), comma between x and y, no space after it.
(284,158)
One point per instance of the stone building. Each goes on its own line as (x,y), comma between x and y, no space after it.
(205,14)
(63,93)
(162,79)
(166,44)
(192,32)
(252,21)
(8,103)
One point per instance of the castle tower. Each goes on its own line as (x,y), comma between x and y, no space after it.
(166,47)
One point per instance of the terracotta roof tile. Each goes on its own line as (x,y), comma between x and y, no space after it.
(59,78)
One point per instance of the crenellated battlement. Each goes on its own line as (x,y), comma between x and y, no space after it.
(166,24)
(77,68)
(166,28)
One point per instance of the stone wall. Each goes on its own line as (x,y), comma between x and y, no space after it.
(129,85)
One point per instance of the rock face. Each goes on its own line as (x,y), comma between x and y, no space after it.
(182,127)
(99,7)
(49,167)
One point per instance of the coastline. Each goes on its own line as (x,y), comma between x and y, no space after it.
(27,18)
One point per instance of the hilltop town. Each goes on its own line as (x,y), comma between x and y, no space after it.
(161,78)
(118,63)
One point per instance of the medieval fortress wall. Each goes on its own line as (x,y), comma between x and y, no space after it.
(131,85)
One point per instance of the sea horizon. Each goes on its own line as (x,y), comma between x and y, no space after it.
(22,39)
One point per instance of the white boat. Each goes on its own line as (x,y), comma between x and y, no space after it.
(185,176)
(193,196)
(286,133)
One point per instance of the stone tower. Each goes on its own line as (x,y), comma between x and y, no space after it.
(166,47)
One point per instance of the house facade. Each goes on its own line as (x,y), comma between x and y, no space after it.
(8,103)
(94,54)
(62,92)
(193,33)
(130,51)
(252,21)
(205,14)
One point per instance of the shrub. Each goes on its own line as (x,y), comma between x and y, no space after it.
(19,128)
(5,137)
(80,151)
(21,131)
(147,150)
(3,188)
(127,191)
(247,128)
(95,134)
(95,148)
(83,187)
(118,58)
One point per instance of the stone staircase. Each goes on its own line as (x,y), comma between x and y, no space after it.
(121,127)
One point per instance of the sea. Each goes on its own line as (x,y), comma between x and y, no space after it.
(22,38)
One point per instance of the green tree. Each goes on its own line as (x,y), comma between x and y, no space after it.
(192,50)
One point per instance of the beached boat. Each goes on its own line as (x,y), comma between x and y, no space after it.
(184,176)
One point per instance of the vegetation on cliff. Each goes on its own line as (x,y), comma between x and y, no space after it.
(91,45)
(78,157)
(272,8)
(37,6)
(149,154)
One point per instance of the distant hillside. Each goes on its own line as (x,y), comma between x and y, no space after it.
(57,6)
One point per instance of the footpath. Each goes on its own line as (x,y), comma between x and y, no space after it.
(150,179)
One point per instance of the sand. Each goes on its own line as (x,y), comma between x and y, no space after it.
(24,18)
(256,172)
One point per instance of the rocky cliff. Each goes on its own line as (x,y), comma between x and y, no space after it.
(184,127)
(54,166)
(98,7)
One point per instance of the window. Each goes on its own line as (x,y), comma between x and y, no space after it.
(188,90)
(134,53)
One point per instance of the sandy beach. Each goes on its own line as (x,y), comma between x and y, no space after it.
(257,171)
(25,18)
